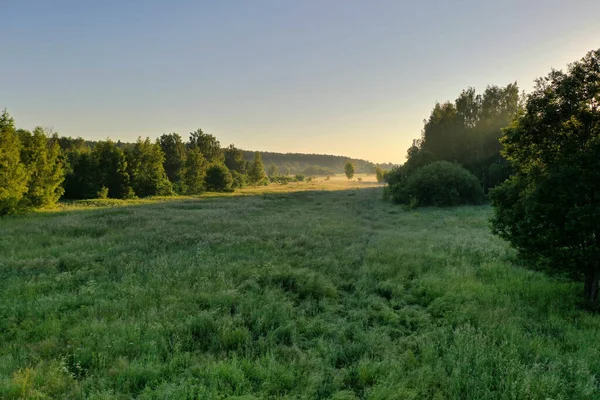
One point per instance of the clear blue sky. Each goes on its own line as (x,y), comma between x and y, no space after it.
(346,77)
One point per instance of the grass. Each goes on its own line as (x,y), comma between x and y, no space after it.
(281,292)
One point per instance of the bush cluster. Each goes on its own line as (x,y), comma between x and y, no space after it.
(440,183)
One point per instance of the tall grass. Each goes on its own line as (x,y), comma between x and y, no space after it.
(283,295)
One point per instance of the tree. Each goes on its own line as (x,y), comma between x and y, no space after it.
(195,171)
(208,145)
(550,208)
(13,175)
(272,170)
(111,170)
(81,180)
(349,170)
(174,163)
(466,131)
(380,174)
(234,159)
(218,178)
(256,172)
(40,155)
(145,167)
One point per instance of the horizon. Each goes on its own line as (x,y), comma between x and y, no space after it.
(313,78)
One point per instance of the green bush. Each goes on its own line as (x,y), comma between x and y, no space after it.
(218,178)
(239,180)
(438,184)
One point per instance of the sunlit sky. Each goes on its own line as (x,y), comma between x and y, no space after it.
(348,77)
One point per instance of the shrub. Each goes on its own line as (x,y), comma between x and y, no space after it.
(380,174)
(239,180)
(102,193)
(282,179)
(349,170)
(218,179)
(317,170)
(394,176)
(438,184)
(300,178)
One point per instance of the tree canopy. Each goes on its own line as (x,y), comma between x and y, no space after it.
(550,208)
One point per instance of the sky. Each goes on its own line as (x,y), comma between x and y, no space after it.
(346,77)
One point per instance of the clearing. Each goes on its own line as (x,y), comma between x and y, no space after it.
(283,292)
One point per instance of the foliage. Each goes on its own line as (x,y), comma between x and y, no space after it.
(234,295)
(256,170)
(145,167)
(234,159)
(174,152)
(81,171)
(40,155)
(349,170)
(299,178)
(438,184)
(380,174)
(195,171)
(208,145)
(13,174)
(317,170)
(239,180)
(218,178)
(282,179)
(272,170)
(111,170)
(550,209)
(102,193)
(466,131)
(297,163)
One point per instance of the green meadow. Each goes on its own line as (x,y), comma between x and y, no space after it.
(315,290)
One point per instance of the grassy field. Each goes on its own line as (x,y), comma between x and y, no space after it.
(315,290)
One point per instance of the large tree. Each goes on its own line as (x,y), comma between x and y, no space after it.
(256,171)
(195,171)
(550,208)
(234,159)
(13,175)
(81,180)
(208,145)
(146,171)
(174,150)
(111,170)
(41,156)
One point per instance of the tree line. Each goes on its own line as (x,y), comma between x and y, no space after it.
(536,155)
(38,168)
(466,132)
(315,164)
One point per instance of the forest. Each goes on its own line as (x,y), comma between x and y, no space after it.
(41,167)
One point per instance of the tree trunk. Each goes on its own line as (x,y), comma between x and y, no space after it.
(591,287)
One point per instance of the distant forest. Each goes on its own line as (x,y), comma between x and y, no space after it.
(297,163)
(302,163)
(39,167)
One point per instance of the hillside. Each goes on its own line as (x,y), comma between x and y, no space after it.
(298,162)
(295,163)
